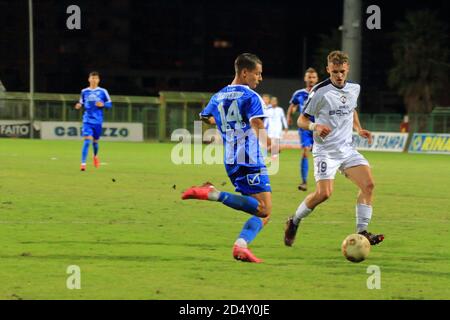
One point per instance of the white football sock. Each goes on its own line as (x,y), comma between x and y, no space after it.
(213,195)
(241,243)
(363,216)
(302,212)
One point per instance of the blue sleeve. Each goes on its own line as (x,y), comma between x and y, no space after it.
(81,98)
(295,99)
(255,107)
(208,111)
(108,102)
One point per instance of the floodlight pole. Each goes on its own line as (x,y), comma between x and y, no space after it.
(351,37)
(31,48)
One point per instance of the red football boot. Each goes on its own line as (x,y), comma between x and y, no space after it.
(83,167)
(244,254)
(199,193)
(96,162)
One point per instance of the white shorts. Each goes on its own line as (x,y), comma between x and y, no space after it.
(275,134)
(325,167)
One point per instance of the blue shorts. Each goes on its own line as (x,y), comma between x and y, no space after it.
(249,180)
(92,130)
(306,138)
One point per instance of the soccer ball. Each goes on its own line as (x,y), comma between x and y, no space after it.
(355,248)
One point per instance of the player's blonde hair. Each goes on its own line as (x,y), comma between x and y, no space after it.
(338,57)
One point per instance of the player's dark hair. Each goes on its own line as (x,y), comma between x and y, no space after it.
(94,74)
(310,70)
(246,61)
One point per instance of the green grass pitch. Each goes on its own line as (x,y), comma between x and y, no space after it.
(135,239)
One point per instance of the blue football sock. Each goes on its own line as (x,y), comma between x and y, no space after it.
(95,145)
(85,151)
(304,169)
(243,203)
(251,228)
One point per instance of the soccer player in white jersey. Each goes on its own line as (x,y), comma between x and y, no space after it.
(276,122)
(333,103)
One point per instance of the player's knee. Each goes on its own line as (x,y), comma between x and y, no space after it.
(323,195)
(368,187)
(264,211)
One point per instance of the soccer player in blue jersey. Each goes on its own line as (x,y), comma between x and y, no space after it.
(94,100)
(306,138)
(238,112)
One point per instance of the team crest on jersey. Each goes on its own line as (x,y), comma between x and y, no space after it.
(92,97)
(343,99)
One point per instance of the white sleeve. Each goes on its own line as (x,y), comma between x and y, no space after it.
(313,104)
(283,118)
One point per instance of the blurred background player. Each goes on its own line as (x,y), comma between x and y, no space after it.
(404,125)
(276,121)
(238,112)
(306,139)
(266,98)
(333,102)
(93,99)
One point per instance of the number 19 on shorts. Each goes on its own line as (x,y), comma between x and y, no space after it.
(321,167)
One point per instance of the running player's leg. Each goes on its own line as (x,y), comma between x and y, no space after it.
(88,137)
(255,224)
(251,229)
(96,138)
(306,144)
(245,183)
(254,185)
(95,147)
(324,174)
(304,168)
(361,175)
(324,189)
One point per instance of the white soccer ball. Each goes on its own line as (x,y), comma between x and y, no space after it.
(355,248)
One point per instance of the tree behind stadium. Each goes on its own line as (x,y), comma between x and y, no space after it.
(421,60)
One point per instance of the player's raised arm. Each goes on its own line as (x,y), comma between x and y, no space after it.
(357,127)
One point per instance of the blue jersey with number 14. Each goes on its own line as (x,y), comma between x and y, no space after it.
(232,108)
